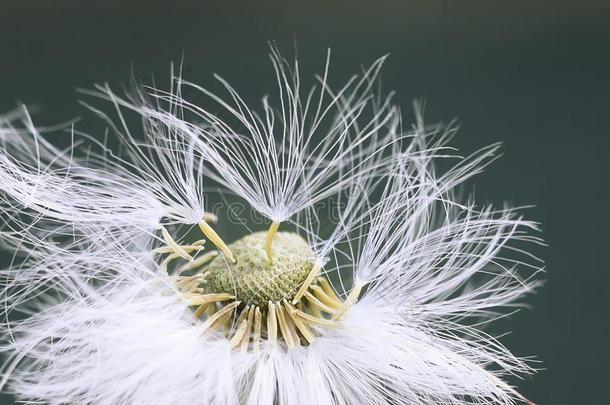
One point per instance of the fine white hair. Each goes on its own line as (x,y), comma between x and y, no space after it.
(91,317)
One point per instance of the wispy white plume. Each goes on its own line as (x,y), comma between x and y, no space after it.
(290,155)
(90,316)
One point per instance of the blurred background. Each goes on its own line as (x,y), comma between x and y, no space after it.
(532,74)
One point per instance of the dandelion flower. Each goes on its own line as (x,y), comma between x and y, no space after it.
(112,297)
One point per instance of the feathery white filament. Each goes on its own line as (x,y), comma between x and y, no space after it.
(90,316)
(284,161)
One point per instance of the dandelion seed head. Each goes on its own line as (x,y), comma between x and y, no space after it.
(124,289)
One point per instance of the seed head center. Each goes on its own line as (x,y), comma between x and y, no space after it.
(253,279)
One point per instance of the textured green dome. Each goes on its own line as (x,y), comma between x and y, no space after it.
(253,279)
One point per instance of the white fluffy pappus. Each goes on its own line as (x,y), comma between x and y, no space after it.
(392,311)
(285,158)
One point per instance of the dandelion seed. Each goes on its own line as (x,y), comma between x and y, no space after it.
(109,300)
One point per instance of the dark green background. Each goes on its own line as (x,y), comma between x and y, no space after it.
(532,74)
